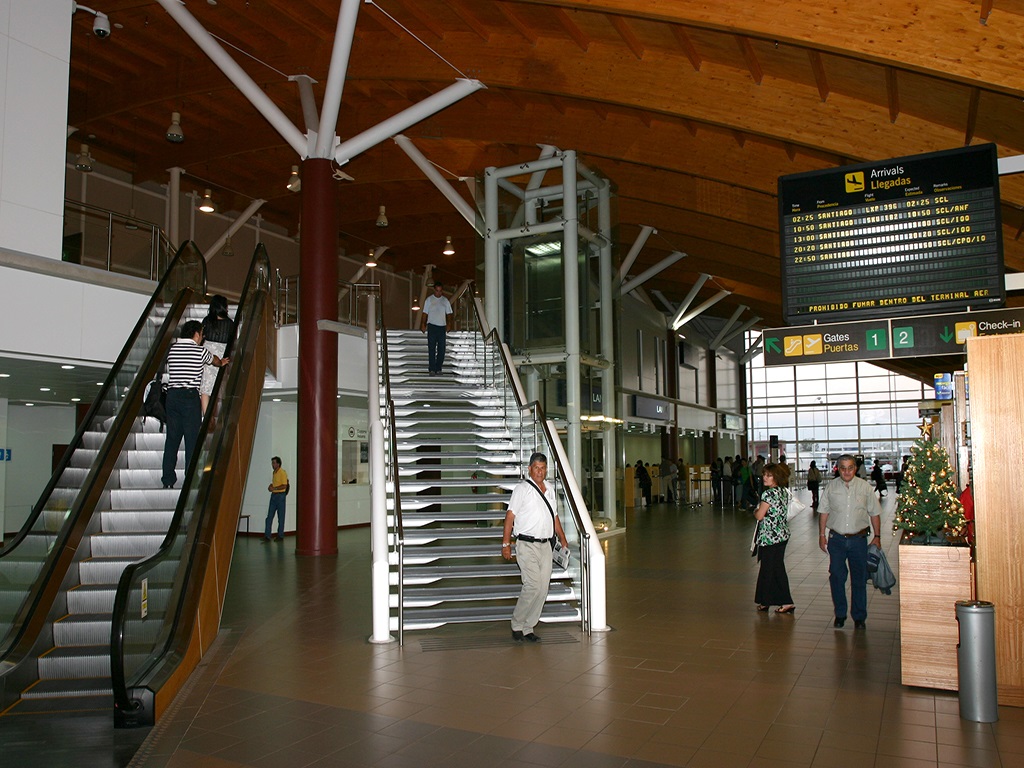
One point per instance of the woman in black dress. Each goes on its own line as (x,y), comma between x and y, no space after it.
(772,537)
(218,330)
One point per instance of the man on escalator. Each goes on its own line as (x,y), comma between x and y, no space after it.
(185,361)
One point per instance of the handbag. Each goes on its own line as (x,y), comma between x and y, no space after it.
(795,506)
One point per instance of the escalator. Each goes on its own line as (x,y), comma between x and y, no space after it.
(63,597)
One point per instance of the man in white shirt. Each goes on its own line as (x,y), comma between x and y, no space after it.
(437,314)
(531,516)
(848,512)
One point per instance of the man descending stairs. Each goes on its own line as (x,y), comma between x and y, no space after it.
(462,447)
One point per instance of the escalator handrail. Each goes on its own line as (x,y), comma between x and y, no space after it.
(83,427)
(29,618)
(249,317)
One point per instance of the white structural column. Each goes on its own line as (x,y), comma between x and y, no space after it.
(607,324)
(378,490)
(492,249)
(571,292)
(174,205)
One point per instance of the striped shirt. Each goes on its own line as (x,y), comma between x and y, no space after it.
(185,362)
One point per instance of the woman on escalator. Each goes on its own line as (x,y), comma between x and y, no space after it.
(218,329)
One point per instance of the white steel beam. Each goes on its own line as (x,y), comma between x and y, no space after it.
(235,225)
(752,351)
(395,124)
(634,251)
(667,304)
(467,211)
(698,310)
(256,96)
(729,324)
(650,272)
(1008,165)
(685,305)
(307,99)
(343,35)
(742,329)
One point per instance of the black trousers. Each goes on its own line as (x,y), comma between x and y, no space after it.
(184,418)
(772,582)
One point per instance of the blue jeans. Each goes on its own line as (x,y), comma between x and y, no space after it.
(853,552)
(435,347)
(276,508)
(184,418)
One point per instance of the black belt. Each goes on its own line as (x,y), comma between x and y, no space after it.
(856,535)
(524,537)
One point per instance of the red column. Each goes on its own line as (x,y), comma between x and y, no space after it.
(317,491)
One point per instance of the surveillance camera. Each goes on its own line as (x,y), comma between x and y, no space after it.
(101,26)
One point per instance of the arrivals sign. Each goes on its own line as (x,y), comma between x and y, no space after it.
(888,338)
(911,235)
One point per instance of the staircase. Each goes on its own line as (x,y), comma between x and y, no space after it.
(461,446)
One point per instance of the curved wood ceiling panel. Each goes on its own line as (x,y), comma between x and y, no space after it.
(692,109)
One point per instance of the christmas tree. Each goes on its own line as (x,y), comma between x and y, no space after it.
(929,502)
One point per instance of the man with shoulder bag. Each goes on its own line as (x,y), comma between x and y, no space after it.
(532,520)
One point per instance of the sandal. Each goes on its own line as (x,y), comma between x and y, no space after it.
(786,609)
(762,607)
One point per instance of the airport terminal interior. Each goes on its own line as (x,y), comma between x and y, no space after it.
(671,232)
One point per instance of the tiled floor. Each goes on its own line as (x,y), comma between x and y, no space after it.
(691,674)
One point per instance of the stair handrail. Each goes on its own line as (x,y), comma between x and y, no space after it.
(184,535)
(380,376)
(185,274)
(575,502)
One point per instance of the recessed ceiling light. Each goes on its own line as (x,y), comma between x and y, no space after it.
(76,399)
(99,383)
(67,367)
(277,399)
(5,375)
(29,404)
(44,389)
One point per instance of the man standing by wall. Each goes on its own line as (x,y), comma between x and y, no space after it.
(185,361)
(278,492)
(848,512)
(531,515)
(437,318)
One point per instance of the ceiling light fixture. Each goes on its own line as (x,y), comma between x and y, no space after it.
(294,182)
(83,162)
(207,205)
(371,260)
(382,218)
(174,133)
(449,249)
(416,305)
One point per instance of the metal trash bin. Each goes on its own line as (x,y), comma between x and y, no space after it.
(976,661)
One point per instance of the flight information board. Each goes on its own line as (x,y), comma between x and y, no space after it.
(911,235)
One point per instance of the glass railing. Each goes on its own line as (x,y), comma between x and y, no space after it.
(33,564)
(113,242)
(153,595)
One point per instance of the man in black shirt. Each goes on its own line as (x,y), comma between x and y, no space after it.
(185,361)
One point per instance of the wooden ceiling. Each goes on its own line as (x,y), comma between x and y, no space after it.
(692,109)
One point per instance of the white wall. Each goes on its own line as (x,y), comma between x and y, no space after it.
(34,65)
(31,435)
(276,435)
